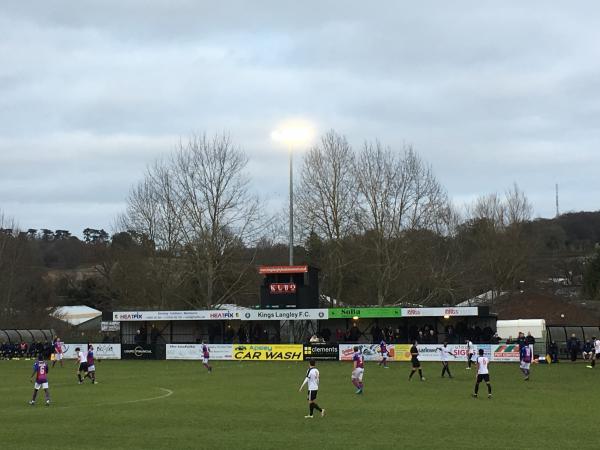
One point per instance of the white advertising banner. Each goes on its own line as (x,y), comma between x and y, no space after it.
(431,352)
(284,314)
(440,312)
(216,314)
(370,351)
(101,351)
(194,351)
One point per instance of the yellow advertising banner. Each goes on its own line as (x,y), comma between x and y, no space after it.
(402,352)
(266,352)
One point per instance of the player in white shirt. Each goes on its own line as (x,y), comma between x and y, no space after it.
(483,374)
(312,379)
(82,363)
(595,352)
(446,353)
(470,353)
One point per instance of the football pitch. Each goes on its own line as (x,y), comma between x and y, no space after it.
(178,405)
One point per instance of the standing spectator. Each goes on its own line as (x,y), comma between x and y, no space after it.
(587,350)
(326,334)
(242,335)
(339,335)
(573,346)
(553,351)
(389,334)
(354,334)
(530,340)
(521,340)
(432,337)
(154,333)
(376,333)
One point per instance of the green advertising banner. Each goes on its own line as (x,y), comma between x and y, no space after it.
(349,313)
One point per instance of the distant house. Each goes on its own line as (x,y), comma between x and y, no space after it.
(80,317)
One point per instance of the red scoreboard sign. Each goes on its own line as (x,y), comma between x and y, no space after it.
(282,288)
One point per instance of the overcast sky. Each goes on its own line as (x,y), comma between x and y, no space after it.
(489,93)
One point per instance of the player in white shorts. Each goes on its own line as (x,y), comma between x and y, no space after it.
(596,352)
(58,351)
(358,370)
(40,370)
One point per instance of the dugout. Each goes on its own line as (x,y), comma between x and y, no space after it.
(560,334)
(29,336)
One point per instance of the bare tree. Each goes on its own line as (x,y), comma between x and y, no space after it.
(497,228)
(197,206)
(397,193)
(326,201)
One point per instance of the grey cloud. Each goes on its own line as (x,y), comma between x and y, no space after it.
(490,94)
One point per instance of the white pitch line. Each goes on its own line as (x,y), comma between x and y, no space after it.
(167,393)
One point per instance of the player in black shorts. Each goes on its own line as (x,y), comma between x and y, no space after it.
(83,368)
(483,374)
(414,359)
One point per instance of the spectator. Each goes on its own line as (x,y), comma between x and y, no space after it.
(432,337)
(397,336)
(587,351)
(339,335)
(376,333)
(242,338)
(154,333)
(354,333)
(389,334)
(314,339)
(495,339)
(521,339)
(553,351)
(509,340)
(529,340)
(326,334)
(573,347)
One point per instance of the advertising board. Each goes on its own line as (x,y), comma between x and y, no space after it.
(321,352)
(194,351)
(267,352)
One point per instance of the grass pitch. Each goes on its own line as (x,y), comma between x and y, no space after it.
(240,405)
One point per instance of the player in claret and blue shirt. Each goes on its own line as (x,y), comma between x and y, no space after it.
(358,370)
(91,367)
(40,370)
(205,356)
(384,354)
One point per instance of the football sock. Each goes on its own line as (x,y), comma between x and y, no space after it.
(79,376)
(420,373)
(311,408)
(315,406)
(412,372)
(34,395)
(489,388)
(47,394)
(476,388)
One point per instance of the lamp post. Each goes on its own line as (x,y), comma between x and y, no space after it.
(291,236)
(292,133)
